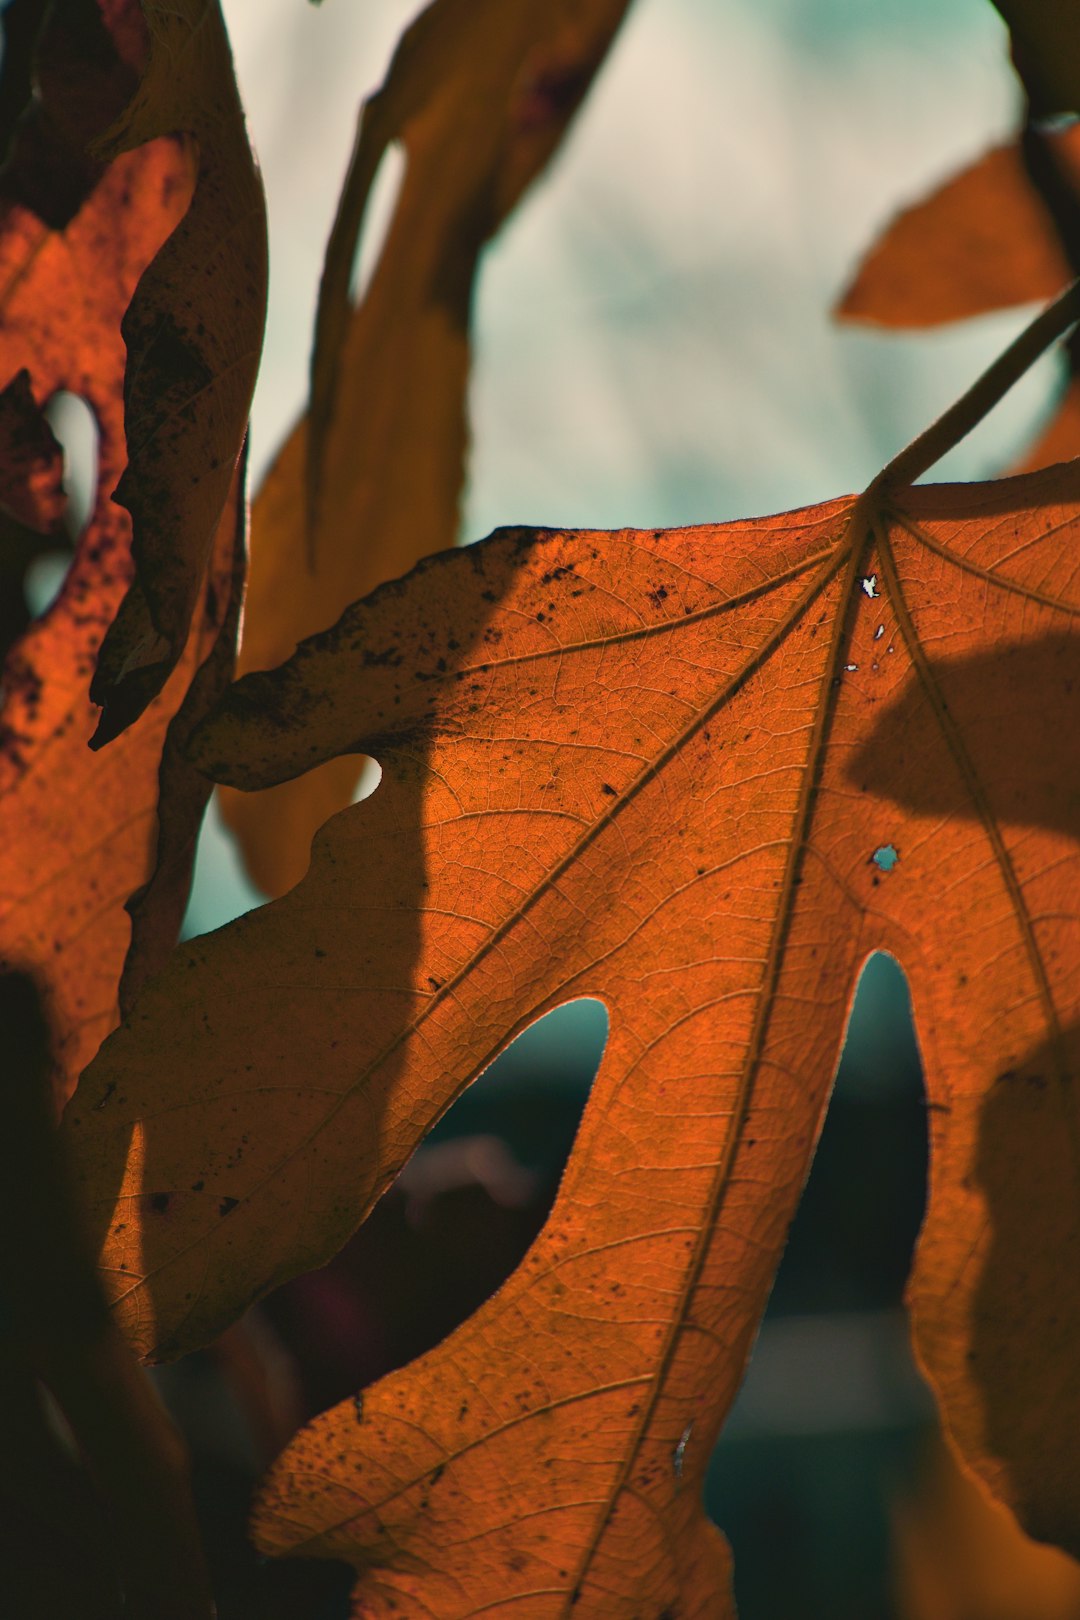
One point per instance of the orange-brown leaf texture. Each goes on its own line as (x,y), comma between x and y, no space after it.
(193,332)
(1004,231)
(697,774)
(984,240)
(80,829)
(480,93)
(31,461)
(958,1554)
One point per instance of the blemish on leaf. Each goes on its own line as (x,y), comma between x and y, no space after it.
(105,1095)
(227,1206)
(159,1203)
(680,1451)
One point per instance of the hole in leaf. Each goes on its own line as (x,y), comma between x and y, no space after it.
(369,779)
(457,1221)
(833,1415)
(43,581)
(220,887)
(869,585)
(886,857)
(378,214)
(75,426)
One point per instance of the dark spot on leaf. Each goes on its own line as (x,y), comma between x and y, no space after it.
(227,1206)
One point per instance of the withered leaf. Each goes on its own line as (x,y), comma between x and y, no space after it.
(31,461)
(983,240)
(1046,49)
(1004,231)
(480,92)
(193,332)
(80,829)
(661,769)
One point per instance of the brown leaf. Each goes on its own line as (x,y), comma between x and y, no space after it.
(31,461)
(960,1555)
(480,92)
(698,775)
(1046,50)
(58,1315)
(193,332)
(80,829)
(984,240)
(157,909)
(32,501)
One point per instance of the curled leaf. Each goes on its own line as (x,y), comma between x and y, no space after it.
(479,96)
(193,332)
(80,830)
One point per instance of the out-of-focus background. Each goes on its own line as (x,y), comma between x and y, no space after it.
(654,347)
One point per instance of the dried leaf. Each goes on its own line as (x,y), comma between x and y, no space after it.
(479,94)
(79,829)
(1046,50)
(960,1555)
(157,909)
(193,332)
(984,240)
(697,774)
(31,461)
(1004,231)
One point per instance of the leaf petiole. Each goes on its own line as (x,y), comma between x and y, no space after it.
(986,392)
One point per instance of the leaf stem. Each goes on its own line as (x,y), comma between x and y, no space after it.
(979,400)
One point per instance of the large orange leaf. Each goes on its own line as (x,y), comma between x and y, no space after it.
(479,94)
(193,332)
(80,830)
(697,774)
